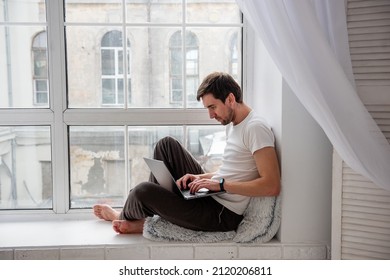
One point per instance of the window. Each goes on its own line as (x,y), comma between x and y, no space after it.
(69,135)
(234,56)
(192,68)
(112,69)
(41,85)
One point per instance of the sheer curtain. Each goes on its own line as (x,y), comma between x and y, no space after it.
(307,41)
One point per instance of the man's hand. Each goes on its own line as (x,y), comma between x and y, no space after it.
(185,181)
(201,184)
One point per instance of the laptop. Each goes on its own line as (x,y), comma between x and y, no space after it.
(166,180)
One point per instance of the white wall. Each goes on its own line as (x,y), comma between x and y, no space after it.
(306,174)
(304,150)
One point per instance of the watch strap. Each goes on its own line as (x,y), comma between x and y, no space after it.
(221,182)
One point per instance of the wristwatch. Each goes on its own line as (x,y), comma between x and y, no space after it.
(221,182)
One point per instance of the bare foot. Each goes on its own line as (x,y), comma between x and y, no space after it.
(124,226)
(105,212)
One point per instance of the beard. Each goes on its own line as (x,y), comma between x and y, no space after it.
(229,118)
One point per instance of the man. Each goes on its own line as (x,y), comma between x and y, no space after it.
(249,168)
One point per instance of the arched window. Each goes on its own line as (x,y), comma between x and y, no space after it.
(112,69)
(176,67)
(40,81)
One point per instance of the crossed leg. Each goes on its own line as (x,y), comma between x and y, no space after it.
(107,213)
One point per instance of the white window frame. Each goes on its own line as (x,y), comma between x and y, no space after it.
(59,117)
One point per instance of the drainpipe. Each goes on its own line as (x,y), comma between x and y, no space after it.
(12,173)
(149,58)
(8,55)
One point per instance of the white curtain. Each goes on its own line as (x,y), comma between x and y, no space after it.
(307,41)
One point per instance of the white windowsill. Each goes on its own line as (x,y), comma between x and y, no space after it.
(62,233)
(90,238)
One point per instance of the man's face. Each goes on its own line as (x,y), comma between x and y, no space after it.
(218,110)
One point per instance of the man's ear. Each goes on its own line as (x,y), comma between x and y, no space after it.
(231,98)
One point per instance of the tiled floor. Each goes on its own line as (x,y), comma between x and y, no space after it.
(95,239)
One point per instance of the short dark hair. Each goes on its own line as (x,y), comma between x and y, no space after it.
(220,85)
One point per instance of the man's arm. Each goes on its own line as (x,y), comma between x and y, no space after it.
(269,182)
(267,185)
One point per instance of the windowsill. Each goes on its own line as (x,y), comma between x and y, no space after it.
(62,233)
(90,238)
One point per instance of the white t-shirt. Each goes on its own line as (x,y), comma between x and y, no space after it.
(238,164)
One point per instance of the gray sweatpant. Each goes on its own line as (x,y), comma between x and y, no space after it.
(148,198)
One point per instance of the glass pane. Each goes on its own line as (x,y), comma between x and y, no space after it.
(120,91)
(192,84)
(176,61)
(213,11)
(129,91)
(120,62)
(192,62)
(108,62)
(41,85)
(161,11)
(97,165)
(177,90)
(41,93)
(40,63)
(25,167)
(109,92)
(93,11)
(23,11)
(18,62)
(41,98)
(206,144)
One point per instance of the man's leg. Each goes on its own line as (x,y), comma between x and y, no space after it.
(177,159)
(148,199)
(205,214)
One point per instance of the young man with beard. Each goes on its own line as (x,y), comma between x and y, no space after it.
(249,168)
